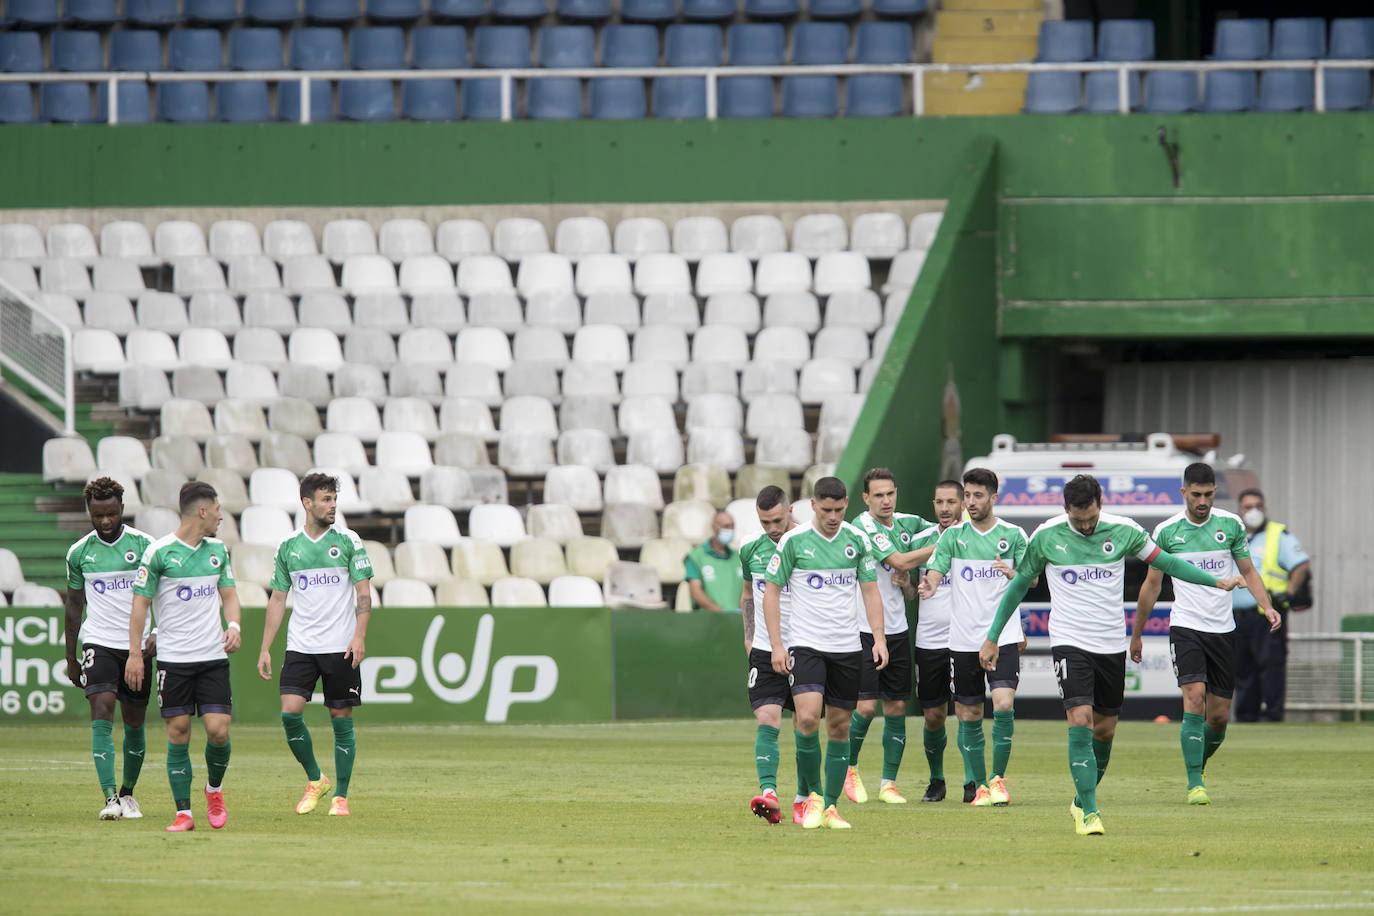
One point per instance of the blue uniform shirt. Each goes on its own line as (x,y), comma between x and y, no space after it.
(1291,555)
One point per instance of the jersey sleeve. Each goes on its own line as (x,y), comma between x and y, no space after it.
(871,555)
(744,557)
(943,556)
(780,567)
(1033,561)
(226,571)
(149,573)
(281,575)
(1018,548)
(1240,545)
(75,580)
(359,563)
(1141,544)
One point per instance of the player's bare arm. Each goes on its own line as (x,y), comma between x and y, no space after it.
(362,611)
(911,559)
(929,583)
(1145,604)
(276,610)
(772,618)
(873,607)
(133,668)
(233,616)
(1255,585)
(74,605)
(746,605)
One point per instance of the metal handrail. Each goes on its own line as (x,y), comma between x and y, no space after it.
(1357,703)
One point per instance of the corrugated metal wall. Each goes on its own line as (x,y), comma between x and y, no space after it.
(1306,427)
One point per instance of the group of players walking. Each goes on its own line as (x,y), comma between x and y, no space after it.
(826,631)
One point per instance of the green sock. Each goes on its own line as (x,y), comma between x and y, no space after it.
(179,774)
(1081,767)
(216,762)
(935,742)
(1211,741)
(102,752)
(858,730)
(345,750)
(766,756)
(971,745)
(135,747)
(1190,738)
(836,765)
(1003,727)
(894,743)
(1102,752)
(298,739)
(808,763)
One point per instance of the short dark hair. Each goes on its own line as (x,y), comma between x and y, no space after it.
(1199,472)
(981,477)
(1081,492)
(952,485)
(312,483)
(829,488)
(1250,491)
(769,497)
(878,474)
(194,491)
(103,488)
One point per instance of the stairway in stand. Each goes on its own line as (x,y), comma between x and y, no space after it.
(39,523)
(982,32)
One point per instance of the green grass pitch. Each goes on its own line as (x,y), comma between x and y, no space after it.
(653,817)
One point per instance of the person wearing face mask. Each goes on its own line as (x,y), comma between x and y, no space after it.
(713,569)
(1262,656)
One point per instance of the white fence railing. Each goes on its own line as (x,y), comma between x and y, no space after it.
(1330,672)
(913,73)
(37,348)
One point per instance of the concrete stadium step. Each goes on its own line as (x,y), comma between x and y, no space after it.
(1002,24)
(983,50)
(974,94)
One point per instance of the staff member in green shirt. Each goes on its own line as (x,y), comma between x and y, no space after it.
(713,570)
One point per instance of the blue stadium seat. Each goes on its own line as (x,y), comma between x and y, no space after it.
(1171,91)
(882,43)
(835,9)
(340,11)
(255,49)
(1286,90)
(36,13)
(152,12)
(1229,90)
(315,48)
(135,49)
(900,9)
(194,49)
(873,95)
(568,46)
(629,46)
(394,10)
(1126,39)
(321,101)
(1241,39)
(679,97)
(271,11)
(377,48)
(521,10)
(21,52)
(439,47)
(558,99)
(68,103)
(366,100)
(757,44)
(429,100)
(810,97)
(1298,39)
(183,102)
(482,100)
(772,9)
(616,98)
(709,10)
(692,46)
(243,103)
(1351,39)
(75,52)
(134,105)
(16,103)
(92,12)
(584,10)
(745,97)
(212,12)
(648,11)
(1053,93)
(1065,41)
(1100,93)
(820,43)
(502,46)
(462,10)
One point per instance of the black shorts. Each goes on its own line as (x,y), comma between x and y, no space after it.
(932,677)
(102,671)
(970,682)
(343,684)
(1090,679)
(193,688)
(894,681)
(1206,658)
(834,675)
(766,686)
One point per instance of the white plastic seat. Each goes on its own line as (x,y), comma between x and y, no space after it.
(641,235)
(151,348)
(857,308)
(204,347)
(866,374)
(340,450)
(529,414)
(591,380)
(604,273)
(268,309)
(286,450)
(284,239)
(97,350)
(601,343)
(483,273)
(816,234)
(162,312)
(588,447)
(662,273)
(666,557)
(614,308)
(746,517)
(783,344)
(822,378)
(723,448)
(450,487)
(343,238)
(356,416)
(240,418)
(837,271)
(659,448)
(64,275)
(427,348)
(433,524)
(123,239)
(539,558)
(575,591)
(61,307)
(359,380)
(688,520)
(477,381)
(740,309)
(664,344)
(756,236)
(574,485)
(261,345)
(590,557)
(700,481)
(179,238)
(517,237)
(456,592)
(31,595)
(496,311)
(579,236)
(368,273)
(629,526)
(176,453)
(197,274)
(232,491)
(313,347)
(406,452)
(517,591)
(501,525)
(773,411)
(525,454)
(724,344)
(483,345)
(881,339)
(467,415)
(677,309)
(421,561)
(197,383)
(878,236)
(830,444)
(215,310)
(894,305)
(441,311)
(489,485)
(327,311)
(370,347)
(716,411)
(639,413)
(697,236)
(588,412)
(265,525)
(252,272)
(709,378)
(924,226)
(847,344)
(399,239)
(424,273)
(117,275)
(905,270)
(557,311)
(307,273)
(274,487)
(458,238)
(764,377)
(20,276)
(383,570)
(634,483)
(160,521)
(22,242)
(783,272)
(401,592)
(414,415)
(653,379)
(143,388)
(544,273)
(840,412)
(72,240)
(724,273)
(232,238)
(122,453)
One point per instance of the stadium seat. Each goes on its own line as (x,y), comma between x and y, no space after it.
(1285,90)
(161,487)
(873,95)
(605,303)
(411,415)
(191,50)
(516,237)
(253,273)
(900,9)
(589,447)
(1126,39)
(575,591)
(1171,91)
(708,10)
(721,411)
(341,450)
(463,10)
(135,49)
(198,383)
(450,487)
(693,45)
(355,380)
(157,522)
(400,592)
(1299,39)
(240,418)
(590,380)
(634,483)
(75,51)
(517,591)
(399,239)
(422,561)
(20,276)
(711,445)
(274,487)
(738,309)
(754,477)
(176,453)
(833,9)
(628,526)
(661,273)
(67,460)
(264,525)
(709,378)
(142,388)
(1241,39)
(820,43)
(403,451)
(688,520)
(341,12)
(536,558)
(576,486)
(543,272)
(838,271)
(859,308)
(1351,39)
(432,524)
(176,239)
(755,236)
(882,43)
(1230,90)
(633,585)
(401,11)
(66,103)
(1054,93)
(697,236)
(256,49)
(594,11)
(273,12)
(97,12)
(1101,96)
(810,96)
(64,275)
(286,450)
(456,592)
(764,377)
(702,482)
(878,236)
(590,557)
(197,274)
(816,234)
(161,13)
(1065,41)
(455,239)
(905,270)
(22,242)
(122,453)
(21,52)
(724,273)
(580,236)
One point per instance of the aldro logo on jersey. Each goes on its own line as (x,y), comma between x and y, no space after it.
(304,581)
(816,580)
(186,592)
(968,573)
(1087,574)
(101,586)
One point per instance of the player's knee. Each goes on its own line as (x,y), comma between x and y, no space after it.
(102,706)
(134,716)
(867,708)
(769,715)
(894,707)
(935,718)
(1104,731)
(807,723)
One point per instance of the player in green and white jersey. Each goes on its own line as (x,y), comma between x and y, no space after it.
(186,577)
(893,684)
(1201,625)
(327,570)
(932,645)
(980,556)
(1083,555)
(100,576)
(769,691)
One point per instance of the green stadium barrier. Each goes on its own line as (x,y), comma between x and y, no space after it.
(679,665)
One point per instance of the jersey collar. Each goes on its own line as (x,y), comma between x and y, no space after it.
(122,528)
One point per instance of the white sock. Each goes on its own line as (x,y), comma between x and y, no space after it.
(799,799)
(210,788)
(885,783)
(185,812)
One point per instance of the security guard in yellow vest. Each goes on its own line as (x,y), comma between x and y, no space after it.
(1262,656)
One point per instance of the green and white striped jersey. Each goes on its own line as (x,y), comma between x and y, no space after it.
(823,574)
(1213,546)
(1086,575)
(106,573)
(967,556)
(933,613)
(904,528)
(320,575)
(754,558)
(183,583)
